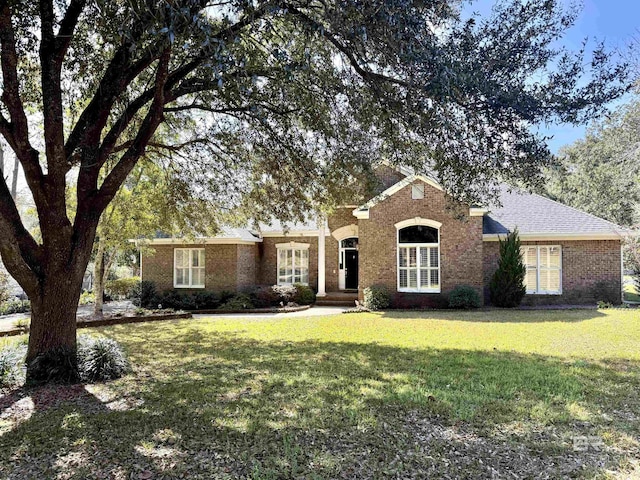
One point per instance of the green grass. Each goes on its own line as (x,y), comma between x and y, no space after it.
(630,292)
(383,395)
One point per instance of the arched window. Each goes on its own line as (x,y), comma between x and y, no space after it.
(419,257)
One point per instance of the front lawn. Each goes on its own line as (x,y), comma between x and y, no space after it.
(630,292)
(492,394)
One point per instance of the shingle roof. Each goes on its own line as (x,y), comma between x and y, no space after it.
(535,214)
(277,226)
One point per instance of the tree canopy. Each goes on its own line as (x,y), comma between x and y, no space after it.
(267,108)
(600,174)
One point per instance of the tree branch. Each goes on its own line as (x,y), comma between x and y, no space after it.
(17,132)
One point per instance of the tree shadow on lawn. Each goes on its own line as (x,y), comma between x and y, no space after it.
(499,315)
(221,406)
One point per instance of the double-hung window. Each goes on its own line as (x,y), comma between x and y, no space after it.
(188,267)
(419,259)
(293,263)
(544,269)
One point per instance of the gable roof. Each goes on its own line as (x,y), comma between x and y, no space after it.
(227,235)
(362,212)
(538,217)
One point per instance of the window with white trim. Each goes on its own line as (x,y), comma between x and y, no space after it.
(293,264)
(419,259)
(188,267)
(544,269)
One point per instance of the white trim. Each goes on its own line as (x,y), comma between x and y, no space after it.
(297,245)
(621,272)
(560,269)
(197,241)
(347,231)
(295,233)
(478,211)
(409,223)
(189,268)
(292,246)
(321,260)
(541,237)
(342,272)
(418,221)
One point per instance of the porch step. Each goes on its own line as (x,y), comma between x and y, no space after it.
(338,299)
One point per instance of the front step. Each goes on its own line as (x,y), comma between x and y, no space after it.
(338,299)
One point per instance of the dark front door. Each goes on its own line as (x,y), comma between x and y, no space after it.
(351,269)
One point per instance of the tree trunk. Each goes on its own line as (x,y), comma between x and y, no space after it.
(98,281)
(51,355)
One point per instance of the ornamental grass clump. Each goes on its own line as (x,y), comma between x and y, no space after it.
(12,365)
(101,359)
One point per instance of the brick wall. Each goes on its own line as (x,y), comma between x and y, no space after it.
(247,265)
(227,267)
(584,264)
(268,259)
(460,244)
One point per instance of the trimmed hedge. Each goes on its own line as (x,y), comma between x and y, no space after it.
(464,296)
(376,297)
(249,298)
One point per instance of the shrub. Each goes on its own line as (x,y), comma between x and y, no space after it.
(206,300)
(15,306)
(57,365)
(607,292)
(87,298)
(603,305)
(5,294)
(264,297)
(464,296)
(507,284)
(22,324)
(123,287)
(12,366)
(145,295)
(376,297)
(241,301)
(286,293)
(304,294)
(101,359)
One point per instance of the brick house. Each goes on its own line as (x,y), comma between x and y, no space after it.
(412,239)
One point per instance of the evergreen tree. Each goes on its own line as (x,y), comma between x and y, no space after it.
(507,285)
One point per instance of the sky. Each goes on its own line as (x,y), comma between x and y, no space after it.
(614,22)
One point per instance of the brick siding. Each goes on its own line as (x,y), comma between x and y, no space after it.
(227,267)
(268,259)
(460,244)
(586,265)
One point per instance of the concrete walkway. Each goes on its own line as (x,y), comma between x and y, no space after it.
(312,312)
(7,322)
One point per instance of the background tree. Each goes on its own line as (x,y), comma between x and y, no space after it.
(600,174)
(507,286)
(298,96)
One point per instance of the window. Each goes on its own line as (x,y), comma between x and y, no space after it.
(188,271)
(293,263)
(544,269)
(417,191)
(419,259)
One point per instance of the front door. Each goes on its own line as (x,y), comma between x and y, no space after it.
(351,269)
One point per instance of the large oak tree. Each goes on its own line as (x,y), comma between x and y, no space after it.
(293,97)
